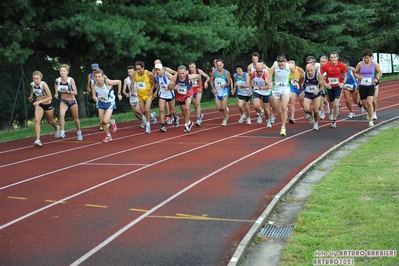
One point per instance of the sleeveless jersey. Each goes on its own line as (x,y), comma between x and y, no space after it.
(38,91)
(351,82)
(64,87)
(104,93)
(142,84)
(367,72)
(220,79)
(281,76)
(241,81)
(163,83)
(311,84)
(260,82)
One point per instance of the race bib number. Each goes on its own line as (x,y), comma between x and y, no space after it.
(194,82)
(62,88)
(348,87)
(141,85)
(181,89)
(164,87)
(219,82)
(366,81)
(280,84)
(311,88)
(333,81)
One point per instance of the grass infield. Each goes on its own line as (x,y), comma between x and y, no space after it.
(355,208)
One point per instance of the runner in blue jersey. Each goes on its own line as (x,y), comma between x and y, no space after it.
(351,89)
(220,83)
(243,89)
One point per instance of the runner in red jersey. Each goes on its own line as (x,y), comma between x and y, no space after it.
(335,79)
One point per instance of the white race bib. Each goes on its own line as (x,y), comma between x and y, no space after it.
(311,88)
(348,87)
(280,84)
(219,82)
(366,81)
(194,82)
(182,89)
(333,81)
(140,85)
(62,88)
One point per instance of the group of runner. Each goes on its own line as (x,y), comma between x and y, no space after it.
(271,89)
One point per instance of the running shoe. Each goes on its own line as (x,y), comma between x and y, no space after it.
(62,134)
(169,119)
(328,109)
(142,125)
(242,118)
(351,115)
(80,136)
(248,120)
(361,110)
(367,116)
(154,118)
(148,129)
(375,116)
(187,127)
(322,115)
(292,120)
(177,121)
(107,139)
(57,132)
(316,126)
(163,128)
(273,119)
(331,116)
(311,120)
(259,119)
(37,143)
(113,126)
(199,120)
(224,123)
(334,124)
(306,116)
(371,123)
(268,124)
(283,132)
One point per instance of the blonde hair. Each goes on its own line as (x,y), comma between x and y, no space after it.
(65,66)
(38,73)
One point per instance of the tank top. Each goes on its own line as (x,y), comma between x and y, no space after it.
(142,83)
(351,82)
(281,76)
(183,87)
(311,84)
(38,91)
(163,83)
(104,93)
(64,87)
(260,82)
(241,81)
(367,72)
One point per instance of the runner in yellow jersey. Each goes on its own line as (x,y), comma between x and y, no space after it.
(144,83)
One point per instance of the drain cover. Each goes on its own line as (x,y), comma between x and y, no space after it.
(270,230)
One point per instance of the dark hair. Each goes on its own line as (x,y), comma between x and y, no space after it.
(255,54)
(130,67)
(219,60)
(345,61)
(367,52)
(281,58)
(240,65)
(139,63)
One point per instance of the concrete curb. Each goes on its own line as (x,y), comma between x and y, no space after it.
(255,229)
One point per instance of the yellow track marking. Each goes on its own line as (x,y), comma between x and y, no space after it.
(18,198)
(137,210)
(51,201)
(96,206)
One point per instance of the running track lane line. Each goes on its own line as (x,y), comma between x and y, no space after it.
(163,203)
(55,141)
(99,143)
(118,177)
(106,156)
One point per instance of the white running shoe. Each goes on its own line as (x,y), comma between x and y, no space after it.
(375,116)
(259,120)
(361,110)
(269,123)
(316,126)
(62,134)
(311,120)
(242,118)
(154,118)
(148,129)
(37,143)
(248,120)
(80,136)
(272,118)
(322,115)
(57,132)
(351,115)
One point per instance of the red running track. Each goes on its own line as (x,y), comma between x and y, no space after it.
(154,199)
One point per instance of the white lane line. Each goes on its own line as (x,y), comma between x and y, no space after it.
(163,203)
(129,127)
(116,164)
